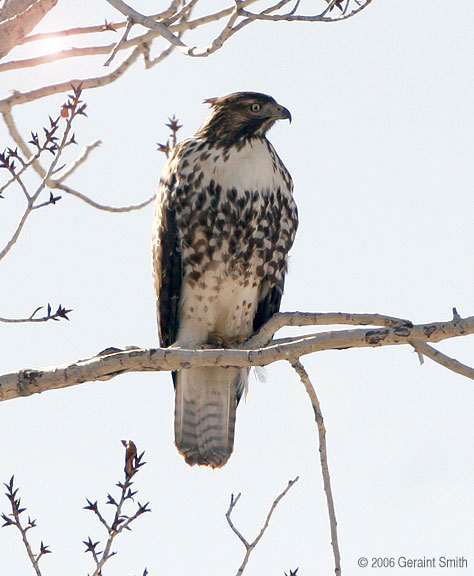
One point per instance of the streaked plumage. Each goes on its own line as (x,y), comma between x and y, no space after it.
(225,220)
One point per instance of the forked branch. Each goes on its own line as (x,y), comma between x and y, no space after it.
(250,546)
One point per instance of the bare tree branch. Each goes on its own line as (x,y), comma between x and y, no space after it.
(15,98)
(18,139)
(120,521)
(292,17)
(169,17)
(99,206)
(318,416)
(108,365)
(68,170)
(282,319)
(179,28)
(14,519)
(136,18)
(61,312)
(171,25)
(120,43)
(63,55)
(229,30)
(76,31)
(425,349)
(250,546)
(51,143)
(47,179)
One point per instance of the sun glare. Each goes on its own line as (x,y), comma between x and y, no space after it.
(50,45)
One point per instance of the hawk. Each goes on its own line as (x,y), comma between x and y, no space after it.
(224,222)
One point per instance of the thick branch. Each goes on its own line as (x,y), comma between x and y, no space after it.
(108,365)
(18,18)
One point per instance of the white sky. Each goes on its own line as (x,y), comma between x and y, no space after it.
(381,151)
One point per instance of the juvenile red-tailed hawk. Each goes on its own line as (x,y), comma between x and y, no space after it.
(225,220)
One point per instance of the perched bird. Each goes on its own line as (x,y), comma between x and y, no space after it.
(224,222)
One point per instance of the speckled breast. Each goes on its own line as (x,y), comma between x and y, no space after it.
(234,209)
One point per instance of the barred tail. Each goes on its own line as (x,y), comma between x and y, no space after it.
(204,421)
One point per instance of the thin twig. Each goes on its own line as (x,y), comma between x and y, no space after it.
(291,17)
(70,168)
(120,43)
(76,31)
(452,364)
(183,13)
(150,62)
(228,31)
(24,167)
(120,521)
(17,137)
(14,519)
(61,312)
(9,245)
(323,456)
(250,546)
(95,204)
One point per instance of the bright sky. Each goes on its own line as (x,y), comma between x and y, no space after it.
(381,150)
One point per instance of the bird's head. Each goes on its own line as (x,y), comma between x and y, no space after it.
(241,115)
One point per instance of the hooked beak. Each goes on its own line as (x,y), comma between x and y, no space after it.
(282,113)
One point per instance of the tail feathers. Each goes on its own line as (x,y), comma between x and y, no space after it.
(206,403)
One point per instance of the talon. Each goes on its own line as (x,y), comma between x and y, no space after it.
(238,340)
(220,341)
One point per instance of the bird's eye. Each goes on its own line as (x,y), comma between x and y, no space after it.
(255,107)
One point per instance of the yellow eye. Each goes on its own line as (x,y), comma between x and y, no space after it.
(255,107)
